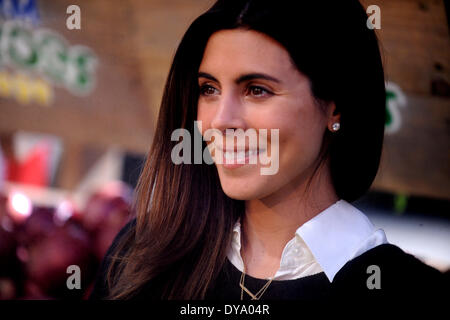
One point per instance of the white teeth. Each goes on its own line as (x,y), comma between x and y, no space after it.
(251,153)
(229,155)
(240,156)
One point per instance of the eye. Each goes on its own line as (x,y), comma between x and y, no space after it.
(258,92)
(207,90)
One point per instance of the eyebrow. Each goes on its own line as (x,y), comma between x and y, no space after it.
(243,78)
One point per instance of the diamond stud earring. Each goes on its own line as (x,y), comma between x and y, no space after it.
(336,126)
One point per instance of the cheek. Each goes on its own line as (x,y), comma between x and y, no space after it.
(301,133)
(205,115)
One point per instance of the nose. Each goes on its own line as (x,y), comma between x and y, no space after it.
(229,114)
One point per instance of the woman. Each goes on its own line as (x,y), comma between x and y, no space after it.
(310,73)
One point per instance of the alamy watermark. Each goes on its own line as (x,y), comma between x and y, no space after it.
(74,280)
(374,20)
(74,20)
(374,280)
(229,149)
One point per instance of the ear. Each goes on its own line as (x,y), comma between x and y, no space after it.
(333,116)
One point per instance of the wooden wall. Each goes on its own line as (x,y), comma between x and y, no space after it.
(415,40)
(136,39)
(116,111)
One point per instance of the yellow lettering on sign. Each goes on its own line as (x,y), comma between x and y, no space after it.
(41,92)
(5,85)
(22,89)
(25,89)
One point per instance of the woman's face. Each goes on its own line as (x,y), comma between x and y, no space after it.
(247,81)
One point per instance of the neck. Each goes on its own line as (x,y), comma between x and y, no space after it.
(270,223)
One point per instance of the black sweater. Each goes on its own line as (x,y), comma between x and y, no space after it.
(401,276)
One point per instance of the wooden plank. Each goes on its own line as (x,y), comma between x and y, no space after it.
(156,48)
(116,112)
(415,41)
(416,159)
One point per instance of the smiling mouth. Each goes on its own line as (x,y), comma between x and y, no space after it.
(236,156)
(235,159)
(239,156)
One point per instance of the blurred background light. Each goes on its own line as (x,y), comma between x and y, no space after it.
(20,206)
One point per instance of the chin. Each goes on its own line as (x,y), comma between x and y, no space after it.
(245,183)
(242,191)
(240,194)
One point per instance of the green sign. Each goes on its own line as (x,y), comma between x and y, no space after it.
(47,54)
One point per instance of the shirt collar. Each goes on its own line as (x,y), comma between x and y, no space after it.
(237,235)
(331,238)
(335,235)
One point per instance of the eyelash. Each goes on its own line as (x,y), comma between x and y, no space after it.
(205,87)
(266,92)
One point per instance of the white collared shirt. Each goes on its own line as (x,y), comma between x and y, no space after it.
(325,243)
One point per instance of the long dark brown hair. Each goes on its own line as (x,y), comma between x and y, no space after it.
(184,220)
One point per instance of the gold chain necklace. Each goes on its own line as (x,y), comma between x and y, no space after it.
(256,296)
